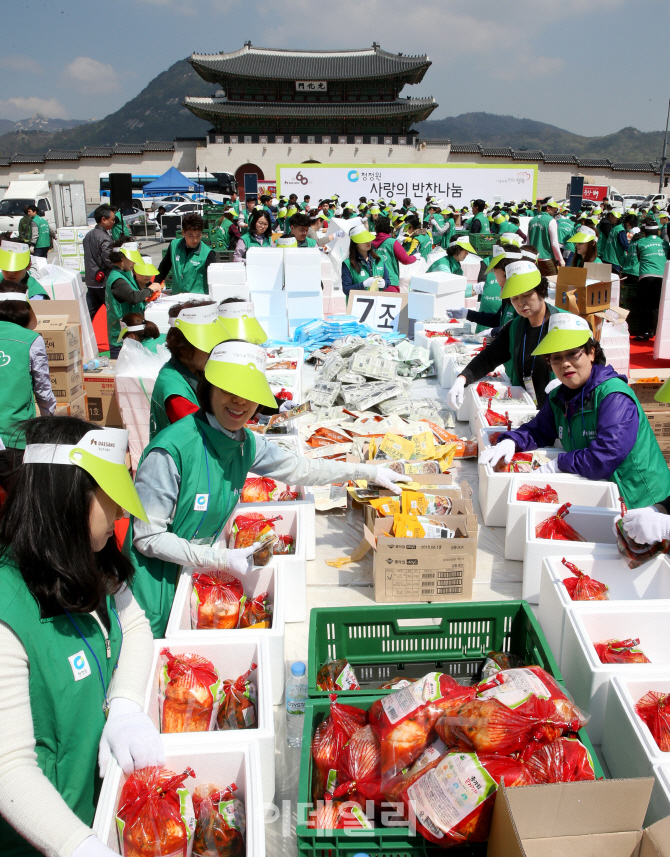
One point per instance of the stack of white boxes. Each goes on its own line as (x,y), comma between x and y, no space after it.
(65,284)
(471,266)
(227,281)
(265,279)
(615,342)
(71,247)
(433,295)
(662,339)
(302,283)
(334,300)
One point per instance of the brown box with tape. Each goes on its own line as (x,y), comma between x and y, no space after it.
(67,382)
(581,294)
(101,393)
(61,339)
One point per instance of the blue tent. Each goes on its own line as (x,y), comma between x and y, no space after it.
(171,182)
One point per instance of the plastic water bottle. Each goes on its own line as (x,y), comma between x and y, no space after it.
(296,694)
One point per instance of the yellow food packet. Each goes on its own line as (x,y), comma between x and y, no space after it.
(414,503)
(395,447)
(445,453)
(372,449)
(407,527)
(386,506)
(424,445)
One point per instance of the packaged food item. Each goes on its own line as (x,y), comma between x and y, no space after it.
(337,675)
(565,760)
(654,709)
(636,554)
(621,652)
(258,489)
(536,494)
(556,527)
(420,527)
(497,661)
(257,612)
(493,418)
(395,684)
(395,448)
(155,814)
(329,738)
(216,600)
(415,468)
(418,503)
(521,463)
(263,554)
(220,822)
(238,706)
(581,587)
(359,770)
(189,693)
(287,496)
(386,506)
(486,390)
(285,544)
(249,527)
(337,815)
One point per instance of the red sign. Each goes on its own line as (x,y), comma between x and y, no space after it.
(594,192)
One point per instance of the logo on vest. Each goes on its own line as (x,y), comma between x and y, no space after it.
(4,358)
(201,502)
(80,667)
(560,432)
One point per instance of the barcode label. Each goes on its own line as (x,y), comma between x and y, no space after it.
(402,702)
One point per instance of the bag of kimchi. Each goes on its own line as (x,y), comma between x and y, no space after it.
(284,545)
(155,814)
(216,600)
(329,738)
(581,587)
(556,527)
(337,675)
(359,769)
(337,815)
(654,709)
(286,496)
(497,661)
(189,693)
(220,822)
(565,760)
(248,528)
(520,463)
(486,390)
(257,612)
(620,652)
(258,489)
(238,706)
(493,418)
(536,494)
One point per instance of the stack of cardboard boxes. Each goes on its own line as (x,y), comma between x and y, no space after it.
(71,247)
(645,386)
(63,345)
(586,293)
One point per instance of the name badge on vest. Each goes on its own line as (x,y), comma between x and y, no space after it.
(176,258)
(201,502)
(80,667)
(530,388)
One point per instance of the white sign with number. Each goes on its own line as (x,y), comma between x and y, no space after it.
(379,310)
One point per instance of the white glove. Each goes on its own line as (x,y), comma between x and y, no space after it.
(386,478)
(549,467)
(287,406)
(340,234)
(478,288)
(131,737)
(646,526)
(240,560)
(458,313)
(504,449)
(456,395)
(93,847)
(373,283)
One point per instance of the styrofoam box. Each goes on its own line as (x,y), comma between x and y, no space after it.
(439,283)
(220,293)
(659,802)
(596,526)
(471,266)
(231,659)
(275,326)
(304,306)
(473,402)
(517,415)
(157,311)
(302,269)
(449,366)
(585,676)
(258,580)
(226,274)
(220,764)
(432,343)
(265,269)
(268,303)
(570,489)
(307,502)
(650,581)
(493,491)
(425,305)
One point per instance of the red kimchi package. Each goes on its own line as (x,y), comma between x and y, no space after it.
(654,709)
(257,612)
(338,815)
(189,693)
(565,760)
(216,600)
(248,528)
(536,494)
(337,675)
(556,527)
(155,815)
(220,822)
(359,769)
(493,418)
(258,489)
(620,652)
(486,390)
(581,587)
(238,706)
(328,741)
(521,463)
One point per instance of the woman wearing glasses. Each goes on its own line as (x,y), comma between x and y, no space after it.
(595,415)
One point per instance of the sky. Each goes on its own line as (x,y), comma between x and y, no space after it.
(589,66)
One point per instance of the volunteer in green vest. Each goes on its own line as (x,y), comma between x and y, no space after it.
(652,254)
(304,205)
(134,326)
(373,214)
(390,251)
(235,202)
(282,221)
(527,290)
(595,415)
(191,475)
(75,648)
(24,376)
(442,227)
(43,242)
(120,229)
(246,213)
(416,239)
(456,253)
(228,219)
(194,330)
(123,293)
(543,234)
(478,224)
(585,242)
(14,265)
(364,269)
(299,226)
(616,245)
(259,234)
(188,258)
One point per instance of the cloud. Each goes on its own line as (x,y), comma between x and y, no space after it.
(22,108)
(21,62)
(91,76)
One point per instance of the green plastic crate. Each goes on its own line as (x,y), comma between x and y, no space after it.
(380,841)
(482,242)
(385,641)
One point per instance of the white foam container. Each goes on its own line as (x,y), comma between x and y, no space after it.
(237,763)
(595,525)
(226,274)
(307,503)
(439,283)
(570,489)
(518,414)
(585,676)
(302,269)
(260,579)
(659,803)
(650,581)
(265,269)
(426,305)
(473,402)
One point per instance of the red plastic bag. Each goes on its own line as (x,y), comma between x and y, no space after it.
(189,693)
(215,600)
(359,769)
(581,587)
(284,545)
(535,494)
(486,390)
(257,612)
(654,709)
(329,738)
(286,496)
(337,675)
(495,419)
(520,463)
(238,706)
(337,815)
(156,812)
(620,652)
(248,528)
(220,822)
(556,527)
(258,489)
(284,395)
(565,760)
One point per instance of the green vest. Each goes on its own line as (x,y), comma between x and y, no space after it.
(117,309)
(386,254)
(565,228)
(631,264)
(424,242)
(67,714)
(256,241)
(652,255)
(16,382)
(516,346)
(446,263)
(369,268)
(152,344)
(490,298)
(34,288)
(308,242)
(643,478)
(43,234)
(614,253)
(189,273)
(446,238)
(218,472)
(119,228)
(507,226)
(174,379)
(538,235)
(578,261)
(236,206)
(479,218)
(223,235)
(602,238)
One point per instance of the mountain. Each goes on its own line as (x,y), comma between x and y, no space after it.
(39,123)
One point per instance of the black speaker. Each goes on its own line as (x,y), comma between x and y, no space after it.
(121,190)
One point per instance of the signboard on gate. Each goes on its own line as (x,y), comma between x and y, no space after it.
(456,184)
(594,192)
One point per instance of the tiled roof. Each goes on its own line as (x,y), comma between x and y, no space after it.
(496,152)
(159,146)
(207,106)
(27,159)
(128,149)
(528,156)
(62,155)
(5,162)
(594,162)
(268,63)
(641,167)
(560,159)
(97,151)
(465,148)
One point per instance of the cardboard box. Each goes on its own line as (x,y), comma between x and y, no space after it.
(580,295)
(659,420)
(459,506)
(76,408)
(595,321)
(101,394)
(602,818)
(62,340)
(645,390)
(67,382)
(77,315)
